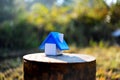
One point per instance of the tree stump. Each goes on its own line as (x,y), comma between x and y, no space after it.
(38,66)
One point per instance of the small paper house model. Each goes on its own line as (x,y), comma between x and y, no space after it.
(54,44)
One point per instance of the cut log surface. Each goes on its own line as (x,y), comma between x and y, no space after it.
(38,66)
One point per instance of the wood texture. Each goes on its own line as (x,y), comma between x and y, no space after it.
(37,66)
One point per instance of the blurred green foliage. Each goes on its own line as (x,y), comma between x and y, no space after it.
(79,23)
(115,16)
(6,12)
(20,36)
(82,22)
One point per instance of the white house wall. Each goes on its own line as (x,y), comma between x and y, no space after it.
(50,49)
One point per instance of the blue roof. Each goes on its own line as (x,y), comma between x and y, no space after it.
(53,37)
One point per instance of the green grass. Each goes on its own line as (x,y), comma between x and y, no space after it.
(107,58)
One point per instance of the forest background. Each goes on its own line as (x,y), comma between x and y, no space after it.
(24,24)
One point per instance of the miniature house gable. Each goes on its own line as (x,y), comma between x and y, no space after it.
(54,43)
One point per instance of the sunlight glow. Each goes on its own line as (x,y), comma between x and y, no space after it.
(109,2)
(28,0)
(60,2)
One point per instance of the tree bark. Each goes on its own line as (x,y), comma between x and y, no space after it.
(65,67)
